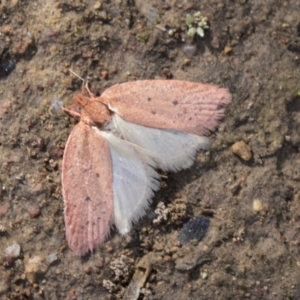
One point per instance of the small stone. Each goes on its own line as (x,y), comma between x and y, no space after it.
(97,5)
(189,50)
(109,249)
(88,270)
(104,74)
(167,73)
(194,230)
(28,293)
(175,256)
(160,283)
(242,150)
(257,205)
(227,50)
(35,285)
(186,61)
(9,261)
(215,43)
(99,263)
(51,258)
(35,212)
(6,29)
(5,108)
(36,188)
(13,251)
(2,228)
(56,105)
(161,27)
(167,258)
(58,272)
(4,209)
(102,15)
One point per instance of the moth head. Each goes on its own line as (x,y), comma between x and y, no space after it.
(92,111)
(80,100)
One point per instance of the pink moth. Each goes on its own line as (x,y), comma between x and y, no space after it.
(133,128)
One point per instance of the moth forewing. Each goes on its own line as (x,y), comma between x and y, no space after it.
(87,189)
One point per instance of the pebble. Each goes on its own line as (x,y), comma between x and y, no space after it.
(58,271)
(97,5)
(160,283)
(227,50)
(152,15)
(186,61)
(167,73)
(88,270)
(5,108)
(257,205)
(102,15)
(2,228)
(109,249)
(215,43)
(99,263)
(194,229)
(4,209)
(13,250)
(51,258)
(204,275)
(35,285)
(189,50)
(6,67)
(242,150)
(167,258)
(104,74)
(161,27)
(6,29)
(35,212)
(56,105)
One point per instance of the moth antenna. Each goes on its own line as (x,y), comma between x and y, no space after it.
(84,84)
(83,81)
(70,70)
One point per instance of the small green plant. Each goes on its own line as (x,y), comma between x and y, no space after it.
(196,24)
(144,37)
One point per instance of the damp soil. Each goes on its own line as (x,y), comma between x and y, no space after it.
(251,249)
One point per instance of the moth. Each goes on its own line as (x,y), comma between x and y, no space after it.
(110,160)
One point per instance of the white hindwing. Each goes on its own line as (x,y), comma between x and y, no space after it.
(134,180)
(172,150)
(134,160)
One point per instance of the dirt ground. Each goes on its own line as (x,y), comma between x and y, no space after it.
(252,247)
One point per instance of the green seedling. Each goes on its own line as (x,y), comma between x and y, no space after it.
(196,24)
